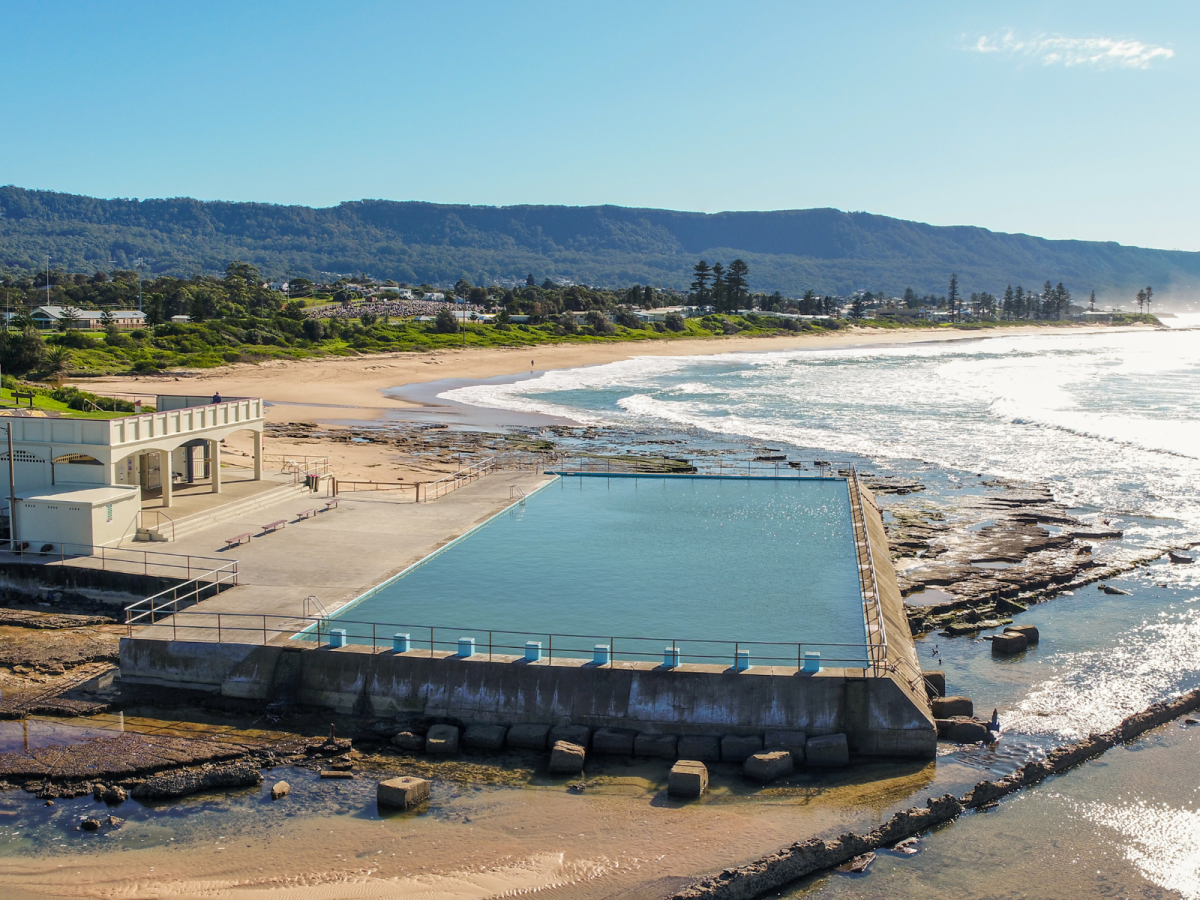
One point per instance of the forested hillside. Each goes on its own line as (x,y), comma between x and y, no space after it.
(791,251)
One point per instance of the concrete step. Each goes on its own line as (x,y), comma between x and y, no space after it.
(209,517)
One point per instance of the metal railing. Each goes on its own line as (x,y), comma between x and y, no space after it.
(147,611)
(341,485)
(109,559)
(670,465)
(159,516)
(444,485)
(302,465)
(444,641)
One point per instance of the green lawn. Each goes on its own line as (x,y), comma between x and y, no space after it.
(46,402)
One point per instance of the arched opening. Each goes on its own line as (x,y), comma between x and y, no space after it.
(76,468)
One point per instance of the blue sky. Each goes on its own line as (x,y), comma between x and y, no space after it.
(1062,120)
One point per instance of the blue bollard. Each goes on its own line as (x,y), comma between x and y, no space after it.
(466,646)
(400,643)
(337,637)
(812,661)
(600,654)
(533,651)
(670,657)
(741,661)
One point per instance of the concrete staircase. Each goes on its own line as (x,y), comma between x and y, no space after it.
(216,515)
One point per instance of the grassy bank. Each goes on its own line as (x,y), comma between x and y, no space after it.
(217,343)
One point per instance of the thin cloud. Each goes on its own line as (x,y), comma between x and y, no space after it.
(1052,50)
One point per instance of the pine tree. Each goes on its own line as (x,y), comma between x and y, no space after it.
(1062,301)
(1009,305)
(736,285)
(700,285)
(718,287)
(1019,303)
(1141,299)
(1092,302)
(952,294)
(809,304)
(1047,300)
(1149,295)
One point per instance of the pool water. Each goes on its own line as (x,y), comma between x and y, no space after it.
(642,561)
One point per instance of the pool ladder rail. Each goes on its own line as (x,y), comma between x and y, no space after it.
(516,493)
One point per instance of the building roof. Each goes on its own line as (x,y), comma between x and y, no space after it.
(85,315)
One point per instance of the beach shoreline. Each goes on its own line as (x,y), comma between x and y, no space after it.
(335,390)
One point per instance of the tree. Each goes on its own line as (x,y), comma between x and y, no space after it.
(737,286)
(153,308)
(649,301)
(1092,302)
(462,287)
(911,300)
(720,292)
(858,308)
(529,282)
(367,319)
(68,319)
(1149,295)
(674,322)
(57,361)
(313,329)
(952,294)
(700,286)
(446,322)
(1141,299)
(1062,301)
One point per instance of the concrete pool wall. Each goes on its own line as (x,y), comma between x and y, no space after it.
(884,714)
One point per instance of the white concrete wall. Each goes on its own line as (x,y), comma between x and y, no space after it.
(47,521)
(111,522)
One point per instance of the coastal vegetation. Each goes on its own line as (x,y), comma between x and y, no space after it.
(209,321)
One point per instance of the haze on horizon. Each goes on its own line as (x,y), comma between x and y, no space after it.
(1070,121)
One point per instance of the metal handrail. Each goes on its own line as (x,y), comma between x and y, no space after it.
(319,627)
(193,589)
(454,480)
(161,515)
(71,551)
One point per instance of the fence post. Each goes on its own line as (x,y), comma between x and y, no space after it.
(264,630)
(431,642)
(489,646)
(551,642)
(219,639)
(373,647)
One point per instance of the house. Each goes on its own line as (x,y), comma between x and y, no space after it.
(49,318)
(82,481)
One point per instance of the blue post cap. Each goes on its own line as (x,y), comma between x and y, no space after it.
(533,651)
(466,646)
(742,660)
(401,643)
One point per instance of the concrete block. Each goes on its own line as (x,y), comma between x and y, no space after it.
(738,747)
(484,737)
(1030,631)
(688,779)
(441,739)
(962,730)
(827,751)
(946,707)
(659,746)
(791,741)
(403,792)
(528,737)
(409,740)
(566,758)
(572,734)
(935,682)
(1009,643)
(702,747)
(768,766)
(613,741)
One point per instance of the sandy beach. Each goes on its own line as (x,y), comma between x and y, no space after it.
(344,388)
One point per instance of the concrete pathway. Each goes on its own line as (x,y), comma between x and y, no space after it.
(336,555)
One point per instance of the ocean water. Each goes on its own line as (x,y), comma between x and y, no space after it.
(1111,421)
(645,562)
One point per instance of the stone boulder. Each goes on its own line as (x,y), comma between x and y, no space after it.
(441,739)
(962,730)
(739,747)
(280,789)
(791,741)
(410,741)
(528,737)
(402,793)
(613,741)
(572,734)
(702,747)
(484,737)
(1009,642)
(935,682)
(659,746)
(947,707)
(1030,631)
(769,765)
(90,824)
(567,758)
(688,779)
(827,751)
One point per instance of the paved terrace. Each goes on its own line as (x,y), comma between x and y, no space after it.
(336,555)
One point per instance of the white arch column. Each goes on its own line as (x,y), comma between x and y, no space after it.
(214,465)
(164,476)
(258,455)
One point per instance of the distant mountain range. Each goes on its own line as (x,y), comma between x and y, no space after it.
(610,246)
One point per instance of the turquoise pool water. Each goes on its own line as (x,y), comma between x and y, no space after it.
(642,561)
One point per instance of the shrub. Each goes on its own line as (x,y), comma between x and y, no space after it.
(446,323)
(674,322)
